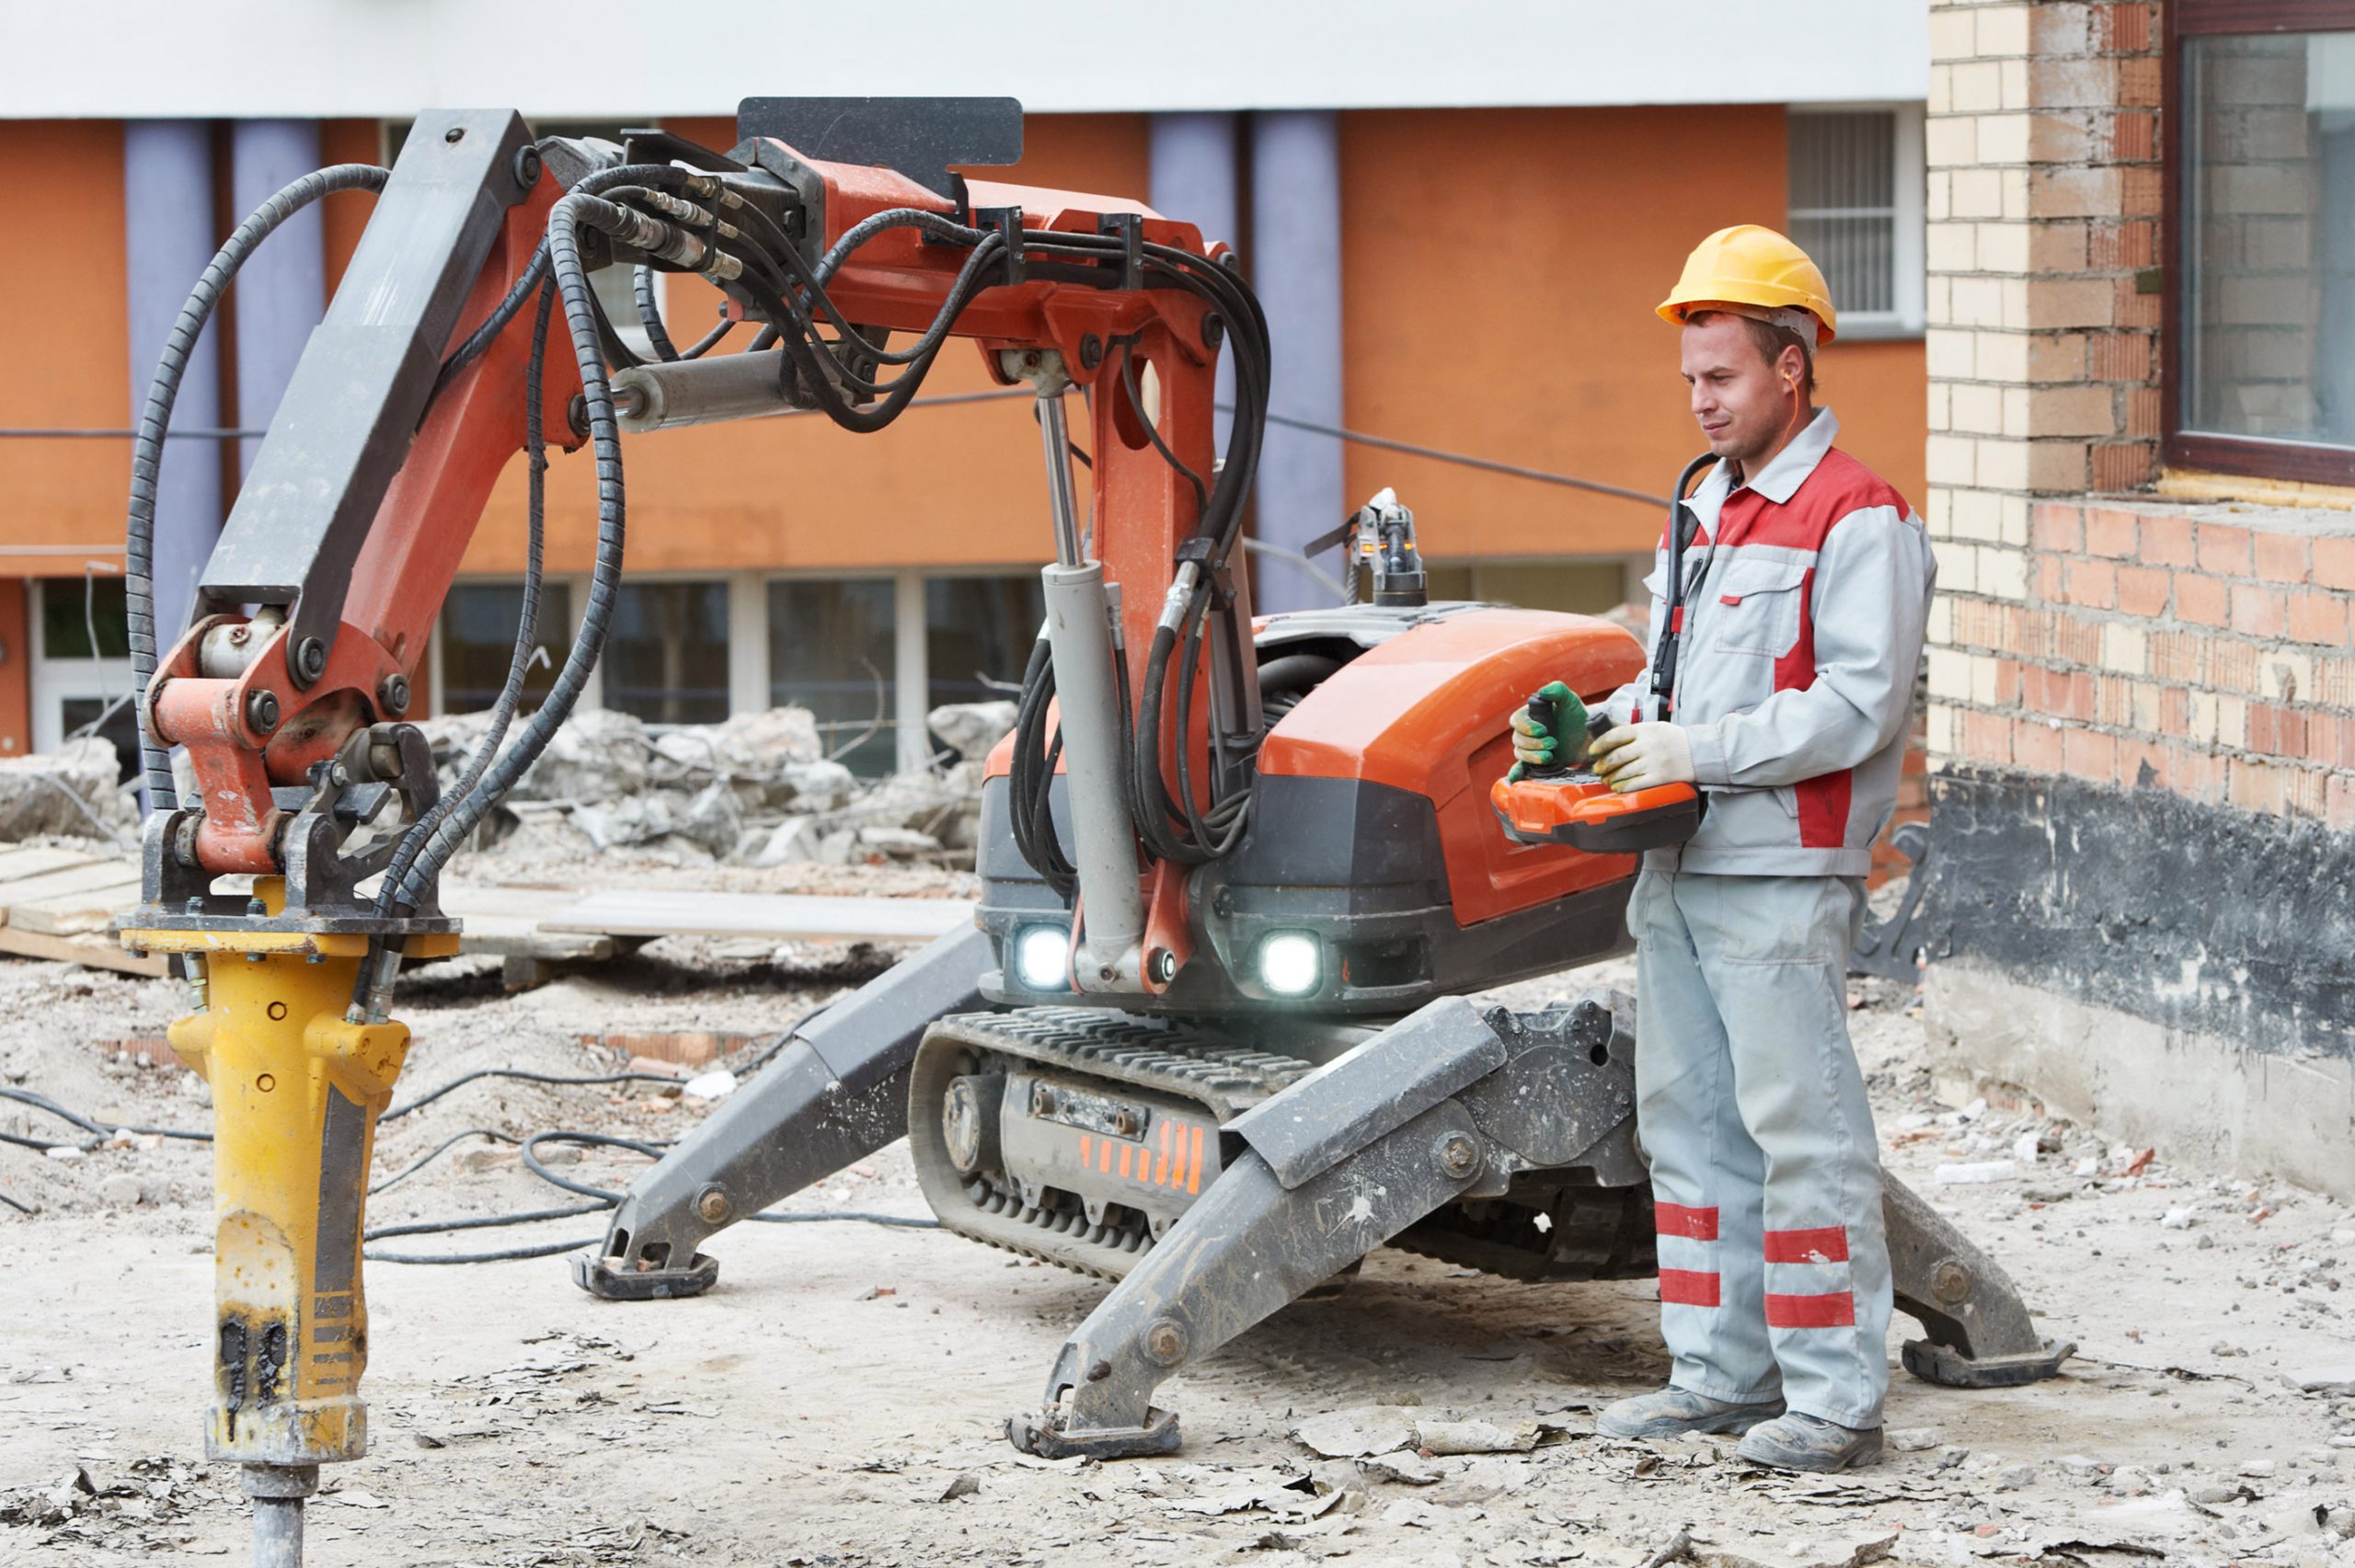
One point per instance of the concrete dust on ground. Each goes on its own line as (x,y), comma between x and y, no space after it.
(840,1398)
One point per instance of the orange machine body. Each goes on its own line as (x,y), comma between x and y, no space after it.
(1426,712)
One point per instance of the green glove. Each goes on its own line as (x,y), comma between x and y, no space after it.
(1557,739)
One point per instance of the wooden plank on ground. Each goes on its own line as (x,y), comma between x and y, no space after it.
(16,864)
(100,877)
(506,922)
(95,951)
(75,914)
(784,917)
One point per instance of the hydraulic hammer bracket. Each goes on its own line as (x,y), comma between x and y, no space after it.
(1129,228)
(1007,222)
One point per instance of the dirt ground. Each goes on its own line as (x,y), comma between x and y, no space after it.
(840,1398)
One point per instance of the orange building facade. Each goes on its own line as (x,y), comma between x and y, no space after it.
(1498,269)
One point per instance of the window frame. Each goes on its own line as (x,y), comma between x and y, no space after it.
(1909,256)
(52,682)
(2256,457)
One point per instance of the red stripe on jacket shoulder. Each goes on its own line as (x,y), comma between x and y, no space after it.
(1840,486)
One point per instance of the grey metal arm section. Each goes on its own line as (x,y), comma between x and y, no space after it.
(1449,1103)
(837,1091)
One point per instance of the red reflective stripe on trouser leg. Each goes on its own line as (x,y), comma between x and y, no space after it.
(1835,1310)
(1687,1287)
(1689,1224)
(1829,1244)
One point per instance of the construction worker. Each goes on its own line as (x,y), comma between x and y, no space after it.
(1807,584)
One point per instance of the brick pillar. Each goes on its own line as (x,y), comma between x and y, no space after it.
(2044,206)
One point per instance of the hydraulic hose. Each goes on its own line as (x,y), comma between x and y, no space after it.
(650,313)
(519,664)
(147,450)
(581,320)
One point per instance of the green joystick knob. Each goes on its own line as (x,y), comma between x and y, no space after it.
(1555,709)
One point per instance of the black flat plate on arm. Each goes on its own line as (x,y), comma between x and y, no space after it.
(919,137)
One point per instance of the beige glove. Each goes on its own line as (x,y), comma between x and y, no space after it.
(1630,757)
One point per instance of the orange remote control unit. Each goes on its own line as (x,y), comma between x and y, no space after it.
(1573,806)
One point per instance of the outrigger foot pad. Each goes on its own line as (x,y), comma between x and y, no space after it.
(1950,1368)
(598,1276)
(1041,1436)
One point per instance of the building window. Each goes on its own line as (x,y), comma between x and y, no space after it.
(1857,182)
(2261,166)
(978,635)
(478,632)
(831,651)
(666,653)
(76,687)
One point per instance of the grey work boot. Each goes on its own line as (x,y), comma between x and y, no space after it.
(1673,1412)
(1808,1442)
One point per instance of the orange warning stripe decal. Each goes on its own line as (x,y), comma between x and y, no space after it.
(1175,1161)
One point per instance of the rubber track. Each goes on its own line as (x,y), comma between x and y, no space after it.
(1225,1076)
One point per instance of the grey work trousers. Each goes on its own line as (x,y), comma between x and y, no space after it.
(1765,1172)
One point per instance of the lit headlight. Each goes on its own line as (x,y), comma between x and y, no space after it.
(1291,963)
(1041,957)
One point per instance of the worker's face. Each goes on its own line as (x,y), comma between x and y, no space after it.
(1742,401)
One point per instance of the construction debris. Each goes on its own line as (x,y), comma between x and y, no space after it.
(2211,1419)
(75,790)
(754,790)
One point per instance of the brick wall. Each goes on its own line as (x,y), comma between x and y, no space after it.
(2044,206)
(2201,651)
(2142,709)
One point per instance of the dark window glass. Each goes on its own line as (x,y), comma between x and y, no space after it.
(666,658)
(478,622)
(978,634)
(2269,237)
(64,629)
(830,652)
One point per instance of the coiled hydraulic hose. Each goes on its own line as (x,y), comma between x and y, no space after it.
(147,450)
(581,319)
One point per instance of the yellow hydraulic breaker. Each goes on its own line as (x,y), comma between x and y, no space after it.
(297,1087)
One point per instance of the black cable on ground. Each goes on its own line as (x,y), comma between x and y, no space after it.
(439,1150)
(20,1208)
(40,1102)
(524,1076)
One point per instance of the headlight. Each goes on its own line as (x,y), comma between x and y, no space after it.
(1042,957)
(1291,963)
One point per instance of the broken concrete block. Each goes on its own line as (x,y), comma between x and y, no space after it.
(713,820)
(73,790)
(1353,1434)
(897,844)
(1476,1436)
(1978,1171)
(820,785)
(970,729)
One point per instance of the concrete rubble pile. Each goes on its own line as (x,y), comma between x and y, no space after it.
(75,790)
(756,789)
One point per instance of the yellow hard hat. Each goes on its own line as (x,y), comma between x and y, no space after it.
(1748,265)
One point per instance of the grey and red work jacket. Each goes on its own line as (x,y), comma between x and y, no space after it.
(1807,594)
